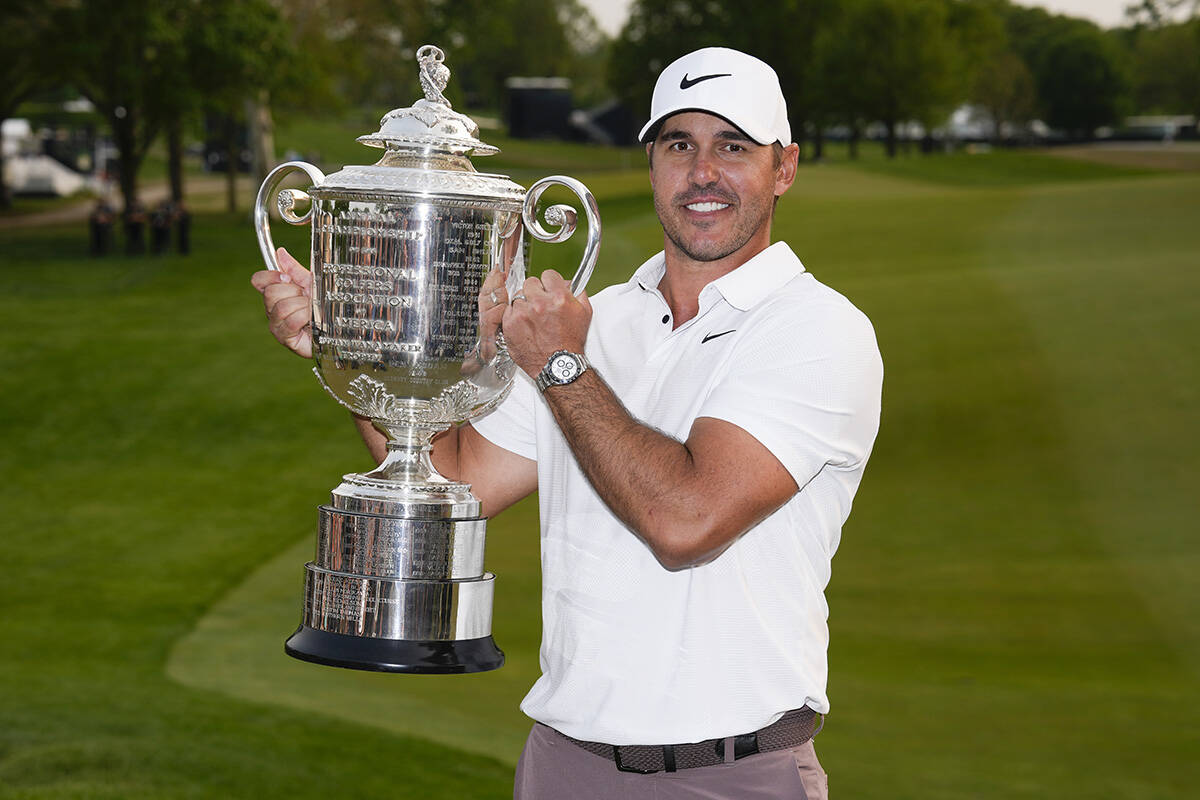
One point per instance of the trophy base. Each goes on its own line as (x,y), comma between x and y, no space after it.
(453,657)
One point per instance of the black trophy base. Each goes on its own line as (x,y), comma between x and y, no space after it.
(394,655)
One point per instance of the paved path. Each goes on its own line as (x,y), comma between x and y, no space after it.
(1183,156)
(150,194)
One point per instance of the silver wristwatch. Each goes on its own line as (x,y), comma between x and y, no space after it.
(562,368)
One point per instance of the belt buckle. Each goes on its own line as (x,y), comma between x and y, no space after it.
(745,745)
(624,768)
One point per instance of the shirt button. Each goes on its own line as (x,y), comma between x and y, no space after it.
(666,318)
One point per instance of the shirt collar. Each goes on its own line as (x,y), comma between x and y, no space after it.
(757,279)
(647,276)
(744,287)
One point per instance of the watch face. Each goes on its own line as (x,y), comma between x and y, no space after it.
(564,367)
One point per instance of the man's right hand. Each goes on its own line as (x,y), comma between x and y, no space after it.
(287,295)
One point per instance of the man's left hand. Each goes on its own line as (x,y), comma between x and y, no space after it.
(543,318)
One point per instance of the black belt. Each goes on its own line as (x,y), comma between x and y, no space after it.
(793,729)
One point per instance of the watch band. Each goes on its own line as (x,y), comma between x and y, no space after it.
(547,377)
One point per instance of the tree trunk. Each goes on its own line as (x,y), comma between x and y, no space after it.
(855,135)
(798,135)
(262,133)
(818,142)
(5,195)
(891,138)
(125,138)
(175,158)
(232,160)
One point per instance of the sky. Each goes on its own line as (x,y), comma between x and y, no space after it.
(611,14)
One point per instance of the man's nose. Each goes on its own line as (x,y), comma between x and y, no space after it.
(704,170)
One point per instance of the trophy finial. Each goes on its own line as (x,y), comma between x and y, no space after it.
(430,124)
(434,74)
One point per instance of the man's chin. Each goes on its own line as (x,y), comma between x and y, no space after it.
(705,252)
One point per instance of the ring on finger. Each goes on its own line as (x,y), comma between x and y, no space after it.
(518,296)
(495,301)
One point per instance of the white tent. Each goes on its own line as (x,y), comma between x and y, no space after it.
(41,175)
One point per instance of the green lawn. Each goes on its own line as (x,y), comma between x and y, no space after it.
(1014,606)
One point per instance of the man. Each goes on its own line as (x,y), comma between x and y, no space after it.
(697,435)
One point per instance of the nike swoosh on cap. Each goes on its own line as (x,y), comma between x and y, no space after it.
(686,83)
(716,335)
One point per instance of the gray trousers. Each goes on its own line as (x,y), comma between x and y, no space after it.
(552,768)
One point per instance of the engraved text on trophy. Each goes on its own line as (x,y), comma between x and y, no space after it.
(397,288)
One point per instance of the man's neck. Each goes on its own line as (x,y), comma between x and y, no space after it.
(684,278)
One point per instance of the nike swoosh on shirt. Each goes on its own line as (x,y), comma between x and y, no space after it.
(715,335)
(687,83)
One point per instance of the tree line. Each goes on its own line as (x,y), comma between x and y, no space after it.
(853,62)
(153,68)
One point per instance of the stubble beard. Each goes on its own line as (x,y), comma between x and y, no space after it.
(754,215)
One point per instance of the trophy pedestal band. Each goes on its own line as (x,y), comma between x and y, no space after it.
(387,546)
(394,655)
(397,608)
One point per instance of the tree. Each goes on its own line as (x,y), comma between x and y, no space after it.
(26,65)
(1166,67)
(839,54)
(147,65)
(488,41)
(237,51)
(364,49)
(902,58)
(1079,70)
(1156,13)
(1081,82)
(353,53)
(1005,87)
(121,58)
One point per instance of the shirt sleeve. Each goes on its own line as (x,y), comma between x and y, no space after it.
(807,386)
(512,424)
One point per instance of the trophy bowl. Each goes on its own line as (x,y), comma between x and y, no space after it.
(400,252)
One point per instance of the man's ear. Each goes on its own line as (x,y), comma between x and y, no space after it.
(785,173)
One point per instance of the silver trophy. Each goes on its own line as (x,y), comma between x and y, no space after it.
(400,251)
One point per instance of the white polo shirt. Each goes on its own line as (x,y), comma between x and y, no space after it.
(632,653)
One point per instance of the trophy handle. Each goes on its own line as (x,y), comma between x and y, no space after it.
(286,203)
(564,218)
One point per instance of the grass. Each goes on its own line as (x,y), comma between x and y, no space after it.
(1013,605)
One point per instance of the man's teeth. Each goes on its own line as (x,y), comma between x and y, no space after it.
(706,206)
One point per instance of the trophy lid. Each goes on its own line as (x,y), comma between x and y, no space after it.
(430,124)
(427,150)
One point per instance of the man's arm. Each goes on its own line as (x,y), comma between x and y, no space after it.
(687,501)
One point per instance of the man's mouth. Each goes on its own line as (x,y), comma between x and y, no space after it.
(706,207)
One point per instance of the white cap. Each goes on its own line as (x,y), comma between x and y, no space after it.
(725,82)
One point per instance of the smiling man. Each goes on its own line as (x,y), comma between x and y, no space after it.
(696,435)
